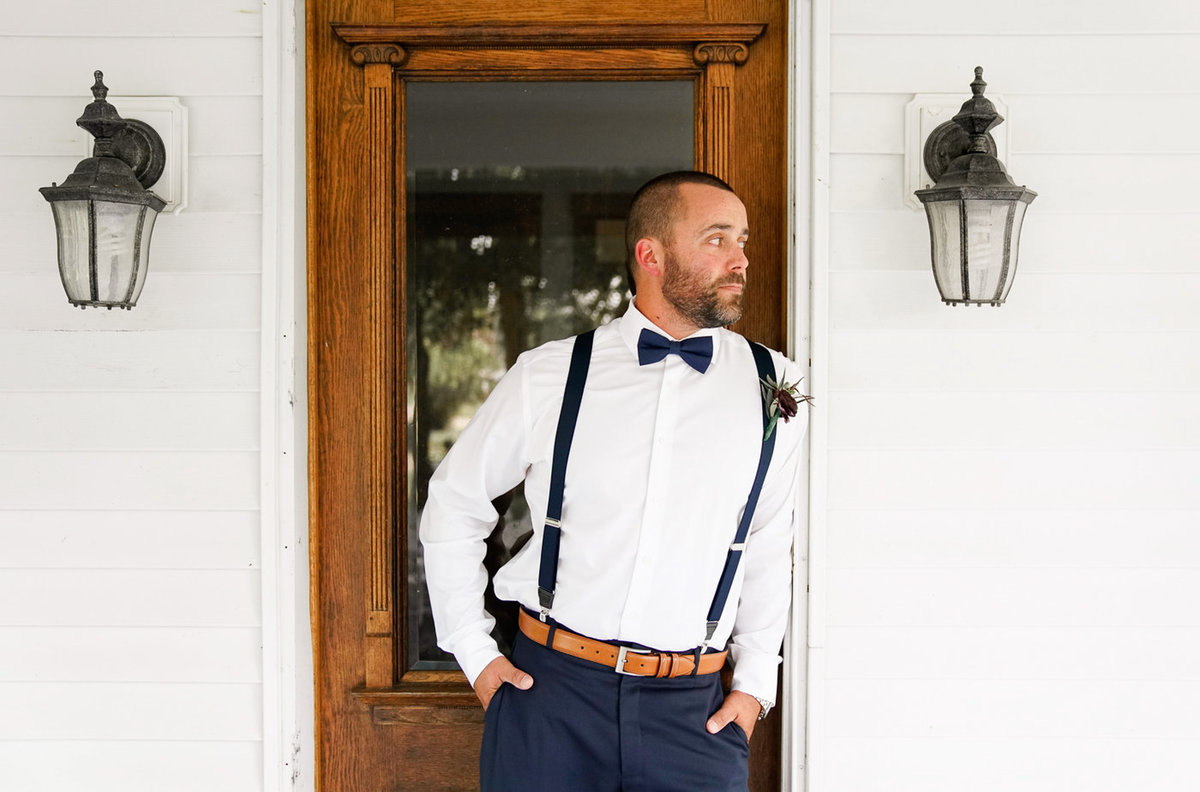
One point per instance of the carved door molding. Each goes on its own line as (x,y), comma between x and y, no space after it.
(389,55)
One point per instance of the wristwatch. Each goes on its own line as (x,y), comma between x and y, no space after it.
(766,707)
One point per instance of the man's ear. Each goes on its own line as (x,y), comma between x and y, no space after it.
(648,256)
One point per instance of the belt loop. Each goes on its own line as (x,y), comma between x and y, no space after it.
(696,667)
(553,625)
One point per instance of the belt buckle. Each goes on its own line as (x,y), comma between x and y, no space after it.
(621,655)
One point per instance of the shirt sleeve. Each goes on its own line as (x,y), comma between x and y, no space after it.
(765,601)
(488,459)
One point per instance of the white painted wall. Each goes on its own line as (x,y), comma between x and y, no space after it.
(1006,548)
(131,627)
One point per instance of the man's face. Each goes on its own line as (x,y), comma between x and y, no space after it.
(704,271)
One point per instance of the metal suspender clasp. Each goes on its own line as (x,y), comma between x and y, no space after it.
(546,600)
(709,629)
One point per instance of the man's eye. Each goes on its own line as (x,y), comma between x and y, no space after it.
(715,241)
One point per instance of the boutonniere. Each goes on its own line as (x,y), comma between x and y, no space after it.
(781,400)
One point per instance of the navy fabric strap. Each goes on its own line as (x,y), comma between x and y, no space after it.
(766,371)
(581,356)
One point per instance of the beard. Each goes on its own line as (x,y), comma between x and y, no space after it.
(698,299)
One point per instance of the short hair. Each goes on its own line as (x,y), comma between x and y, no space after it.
(653,210)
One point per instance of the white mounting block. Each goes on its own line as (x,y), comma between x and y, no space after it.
(924,114)
(169,118)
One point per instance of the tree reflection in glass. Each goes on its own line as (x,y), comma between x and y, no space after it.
(516,196)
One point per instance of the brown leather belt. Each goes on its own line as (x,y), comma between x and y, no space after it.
(625,660)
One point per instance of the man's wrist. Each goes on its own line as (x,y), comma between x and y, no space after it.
(764,705)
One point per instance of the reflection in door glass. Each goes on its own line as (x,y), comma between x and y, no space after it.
(516,197)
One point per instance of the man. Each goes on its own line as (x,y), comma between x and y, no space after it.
(663,458)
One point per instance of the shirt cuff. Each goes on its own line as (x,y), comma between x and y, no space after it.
(755,674)
(474,658)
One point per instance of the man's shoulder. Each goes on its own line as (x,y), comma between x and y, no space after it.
(738,341)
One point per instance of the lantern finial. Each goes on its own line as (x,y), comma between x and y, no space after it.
(99,89)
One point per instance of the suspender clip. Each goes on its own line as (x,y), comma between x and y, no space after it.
(546,600)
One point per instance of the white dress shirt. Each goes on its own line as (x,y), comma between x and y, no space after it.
(661,465)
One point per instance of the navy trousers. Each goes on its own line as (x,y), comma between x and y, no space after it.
(584,728)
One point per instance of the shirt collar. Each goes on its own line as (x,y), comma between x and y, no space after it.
(634,321)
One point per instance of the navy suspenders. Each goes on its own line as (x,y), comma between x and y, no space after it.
(581,356)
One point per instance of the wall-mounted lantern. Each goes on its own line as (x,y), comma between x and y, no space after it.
(103,212)
(974,209)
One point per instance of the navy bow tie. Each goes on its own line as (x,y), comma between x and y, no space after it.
(696,352)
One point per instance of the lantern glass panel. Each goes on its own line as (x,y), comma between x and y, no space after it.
(944,230)
(143,253)
(987,222)
(71,221)
(116,251)
(1019,208)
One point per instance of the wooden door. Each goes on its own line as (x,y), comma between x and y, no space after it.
(388,718)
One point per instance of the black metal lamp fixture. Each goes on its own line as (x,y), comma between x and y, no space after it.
(103,212)
(974,209)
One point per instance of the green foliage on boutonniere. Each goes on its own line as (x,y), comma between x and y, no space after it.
(781,400)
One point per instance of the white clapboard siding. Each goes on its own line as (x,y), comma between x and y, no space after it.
(1016,653)
(1095,764)
(216,125)
(195,66)
(142,421)
(131,711)
(954,477)
(1130,301)
(169,301)
(1020,17)
(1020,358)
(108,358)
(1013,538)
(1061,420)
(129,480)
(1053,708)
(1050,242)
(216,182)
(208,242)
(102,764)
(121,18)
(1042,64)
(129,597)
(1009,556)
(145,539)
(131,654)
(975,596)
(131,625)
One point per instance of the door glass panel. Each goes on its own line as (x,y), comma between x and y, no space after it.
(516,197)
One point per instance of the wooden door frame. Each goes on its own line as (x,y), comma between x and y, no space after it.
(353,444)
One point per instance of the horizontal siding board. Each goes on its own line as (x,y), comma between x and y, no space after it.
(1024,420)
(216,183)
(1083,183)
(1053,708)
(216,125)
(898,239)
(1023,359)
(130,711)
(1014,653)
(944,63)
(49,539)
(81,421)
(1004,597)
(131,654)
(154,764)
(875,123)
(169,301)
(875,300)
(1036,17)
(1005,764)
(956,478)
(129,480)
(112,359)
(201,66)
(193,242)
(1013,538)
(129,598)
(124,18)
